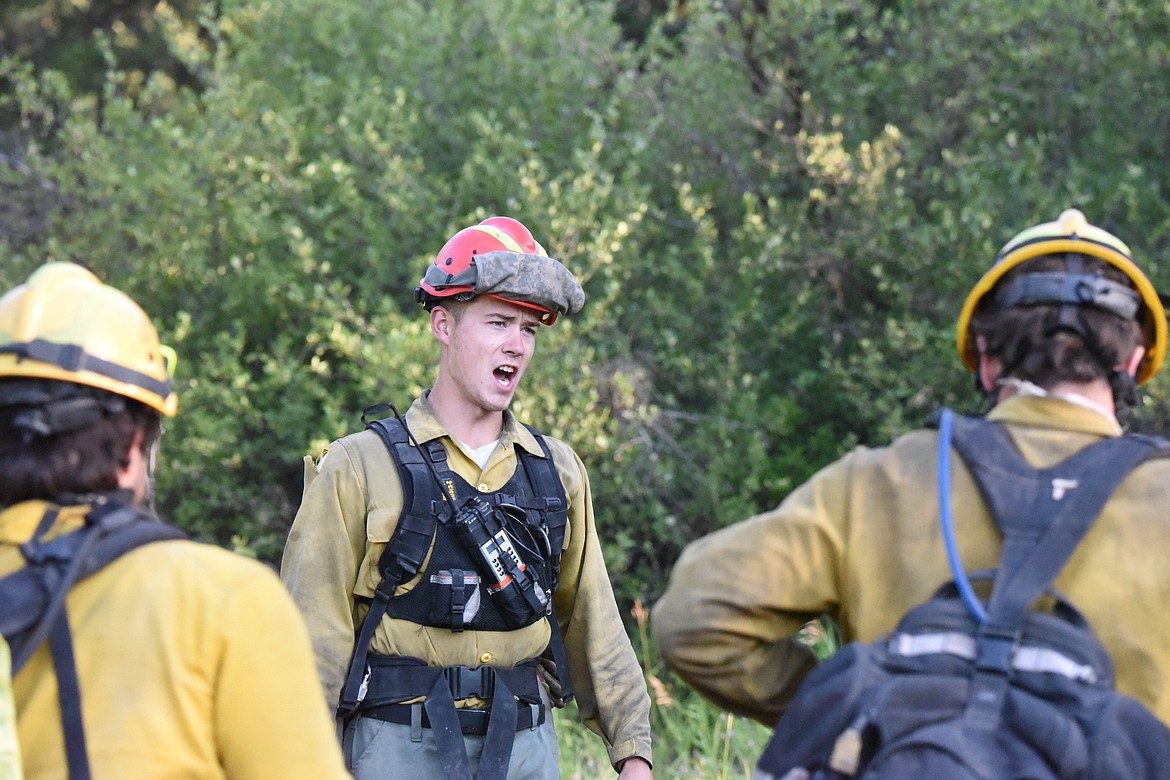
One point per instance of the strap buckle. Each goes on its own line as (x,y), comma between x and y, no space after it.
(996,647)
(466,682)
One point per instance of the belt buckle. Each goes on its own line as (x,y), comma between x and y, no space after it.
(466,681)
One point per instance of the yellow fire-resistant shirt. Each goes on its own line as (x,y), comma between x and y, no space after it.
(9,746)
(861,541)
(193,662)
(349,511)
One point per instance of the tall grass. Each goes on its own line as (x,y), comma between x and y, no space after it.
(693,739)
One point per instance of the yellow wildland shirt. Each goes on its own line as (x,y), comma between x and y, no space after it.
(351,504)
(193,662)
(9,746)
(861,541)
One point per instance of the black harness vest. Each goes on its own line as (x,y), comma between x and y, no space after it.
(453,594)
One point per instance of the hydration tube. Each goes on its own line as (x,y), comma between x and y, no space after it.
(945,428)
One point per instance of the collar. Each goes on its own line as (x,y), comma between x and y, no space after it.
(425,426)
(19,522)
(1055,413)
(1024,387)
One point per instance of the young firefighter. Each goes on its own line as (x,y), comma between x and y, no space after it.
(1058,333)
(176,659)
(484,573)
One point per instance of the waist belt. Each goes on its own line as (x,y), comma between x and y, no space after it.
(471,721)
(396,679)
(392,680)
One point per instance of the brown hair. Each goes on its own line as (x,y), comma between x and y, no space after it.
(456,305)
(1032,346)
(80,461)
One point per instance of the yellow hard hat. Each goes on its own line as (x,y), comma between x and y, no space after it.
(63,323)
(1072,233)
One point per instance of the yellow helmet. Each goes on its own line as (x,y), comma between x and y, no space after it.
(63,323)
(1072,233)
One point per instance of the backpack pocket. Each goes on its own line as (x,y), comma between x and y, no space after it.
(455,597)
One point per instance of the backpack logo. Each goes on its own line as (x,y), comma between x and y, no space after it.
(1062,486)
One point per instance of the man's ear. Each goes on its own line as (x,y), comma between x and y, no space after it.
(129,475)
(988,367)
(1130,364)
(441,324)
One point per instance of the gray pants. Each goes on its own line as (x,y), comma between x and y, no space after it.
(376,750)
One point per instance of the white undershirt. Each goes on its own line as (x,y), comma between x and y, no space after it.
(1024,387)
(481,454)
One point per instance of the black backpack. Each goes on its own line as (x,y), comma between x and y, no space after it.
(995,690)
(32,599)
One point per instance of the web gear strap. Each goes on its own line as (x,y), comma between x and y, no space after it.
(34,598)
(1043,515)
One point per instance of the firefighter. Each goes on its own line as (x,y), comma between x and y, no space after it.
(459,546)
(173,658)
(1058,334)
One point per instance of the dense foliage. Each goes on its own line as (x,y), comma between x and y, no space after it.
(776,208)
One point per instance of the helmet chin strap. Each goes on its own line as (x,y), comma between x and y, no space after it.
(1125,393)
(151,464)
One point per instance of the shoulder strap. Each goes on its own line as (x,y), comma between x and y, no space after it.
(405,551)
(35,595)
(412,536)
(1043,513)
(34,599)
(547,484)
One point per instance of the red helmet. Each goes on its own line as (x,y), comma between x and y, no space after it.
(451,272)
(517,232)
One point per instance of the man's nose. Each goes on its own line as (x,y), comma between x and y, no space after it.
(515,343)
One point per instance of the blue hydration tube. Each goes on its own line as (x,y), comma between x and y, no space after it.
(945,427)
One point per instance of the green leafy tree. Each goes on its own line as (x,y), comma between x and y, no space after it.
(776,208)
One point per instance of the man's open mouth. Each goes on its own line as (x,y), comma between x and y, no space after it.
(505,375)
